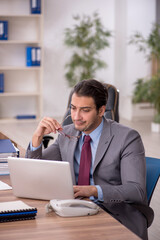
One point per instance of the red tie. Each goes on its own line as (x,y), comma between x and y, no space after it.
(85,162)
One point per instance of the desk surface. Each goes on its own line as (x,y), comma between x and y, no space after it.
(50,226)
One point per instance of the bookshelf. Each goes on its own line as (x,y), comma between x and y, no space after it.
(22,85)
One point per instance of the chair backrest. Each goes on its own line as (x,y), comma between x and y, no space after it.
(153,173)
(112,106)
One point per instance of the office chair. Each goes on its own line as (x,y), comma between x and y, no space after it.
(111,112)
(153,195)
(112,106)
(153,173)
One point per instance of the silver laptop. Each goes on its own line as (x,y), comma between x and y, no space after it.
(40,179)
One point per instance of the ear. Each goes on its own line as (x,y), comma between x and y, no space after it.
(102,110)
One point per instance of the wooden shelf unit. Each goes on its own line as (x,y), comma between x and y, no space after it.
(22,85)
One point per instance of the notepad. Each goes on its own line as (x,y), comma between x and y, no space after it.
(15,211)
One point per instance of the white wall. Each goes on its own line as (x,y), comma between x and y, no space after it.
(58,16)
(125,64)
(130,17)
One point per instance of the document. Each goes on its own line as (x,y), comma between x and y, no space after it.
(4,186)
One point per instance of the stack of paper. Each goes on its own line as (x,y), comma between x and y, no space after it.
(7,149)
(16,210)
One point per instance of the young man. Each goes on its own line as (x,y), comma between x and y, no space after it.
(117,172)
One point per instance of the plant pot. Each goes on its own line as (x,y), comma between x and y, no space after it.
(142,111)
(155,127)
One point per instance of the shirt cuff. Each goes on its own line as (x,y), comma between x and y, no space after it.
(100,195)
(34,148)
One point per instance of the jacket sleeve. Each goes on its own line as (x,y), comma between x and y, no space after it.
(132,168)
(50,153)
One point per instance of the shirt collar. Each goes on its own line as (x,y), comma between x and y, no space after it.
(95,134)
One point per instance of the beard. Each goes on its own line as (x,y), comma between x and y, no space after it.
(86,127)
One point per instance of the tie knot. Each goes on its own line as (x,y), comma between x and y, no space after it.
(87,138)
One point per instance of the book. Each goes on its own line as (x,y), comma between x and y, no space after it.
(16,211)
(1,82)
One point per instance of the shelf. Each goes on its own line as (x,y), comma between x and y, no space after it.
(20,42)
(22,84)
(19,94)
(15,68)
(21,16)
(14,120)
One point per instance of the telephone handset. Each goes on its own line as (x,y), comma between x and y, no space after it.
(72,207)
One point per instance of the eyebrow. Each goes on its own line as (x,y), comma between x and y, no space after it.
(81,107)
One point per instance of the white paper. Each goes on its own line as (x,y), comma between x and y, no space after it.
(14,205)
(4,186)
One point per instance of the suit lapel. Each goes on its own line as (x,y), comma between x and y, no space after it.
(104,142)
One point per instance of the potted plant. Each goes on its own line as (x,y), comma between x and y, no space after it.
(87,38)
(142,107)
(155,99)
(149,90)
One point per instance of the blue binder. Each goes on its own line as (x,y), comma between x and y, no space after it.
(6,146)
(28,56)
(1,82)
(3,30)
(35,6)
(38,56)
(33,56)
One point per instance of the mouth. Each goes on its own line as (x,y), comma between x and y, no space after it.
(81,126)
(79,123)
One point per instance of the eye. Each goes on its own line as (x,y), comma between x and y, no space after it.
(73,108)
(86,110)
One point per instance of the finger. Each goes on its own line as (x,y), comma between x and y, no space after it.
(51,124)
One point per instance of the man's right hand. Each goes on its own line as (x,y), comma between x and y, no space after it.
(47,125)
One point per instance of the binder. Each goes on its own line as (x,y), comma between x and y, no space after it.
(6,146)
(33,56)
(1,82)
(28,56)
(3,30)
(35,6)
(5,37)
(26,116)
(7,149)
(16,211)
(38,56)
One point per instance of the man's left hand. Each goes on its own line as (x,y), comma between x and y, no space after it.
(85,191)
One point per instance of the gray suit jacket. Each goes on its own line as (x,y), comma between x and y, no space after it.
(119,166)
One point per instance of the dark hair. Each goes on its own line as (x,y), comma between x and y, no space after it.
(92,88)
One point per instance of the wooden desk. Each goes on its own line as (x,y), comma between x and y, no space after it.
(49,226)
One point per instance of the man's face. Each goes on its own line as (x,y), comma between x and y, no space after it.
(84,113)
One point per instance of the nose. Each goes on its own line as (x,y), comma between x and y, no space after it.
(76,115)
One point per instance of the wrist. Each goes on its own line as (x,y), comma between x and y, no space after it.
(94,191)
(36,140)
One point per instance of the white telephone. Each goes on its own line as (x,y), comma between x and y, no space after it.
(72,207)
